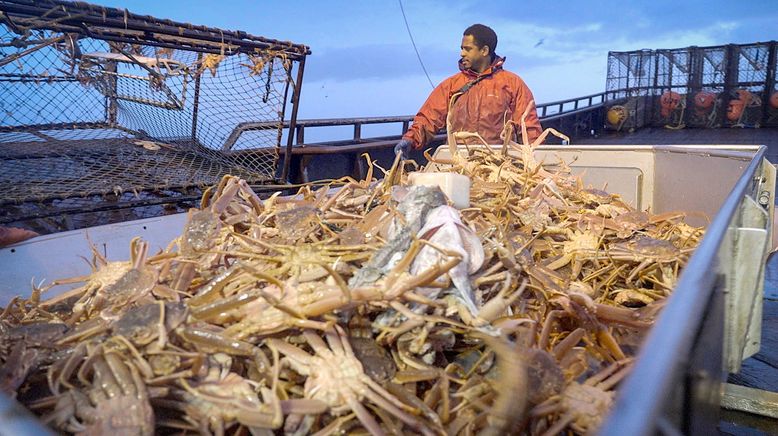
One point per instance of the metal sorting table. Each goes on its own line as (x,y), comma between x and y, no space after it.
(710,324)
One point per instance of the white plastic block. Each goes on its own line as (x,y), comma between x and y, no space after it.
(455,186)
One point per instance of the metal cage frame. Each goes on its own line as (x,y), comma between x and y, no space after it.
(640,77)
(67,22)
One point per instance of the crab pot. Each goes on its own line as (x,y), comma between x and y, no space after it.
(628,114)
(109,116)
(666,75)
(771,120)
(730,189)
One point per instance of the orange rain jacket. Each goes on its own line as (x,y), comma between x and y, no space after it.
(484,108)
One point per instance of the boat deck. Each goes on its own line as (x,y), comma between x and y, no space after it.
(761,370)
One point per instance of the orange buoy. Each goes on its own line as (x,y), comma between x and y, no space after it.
(703,101)
(668,102)
(735,109)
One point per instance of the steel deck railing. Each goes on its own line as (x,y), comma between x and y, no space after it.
(546,112)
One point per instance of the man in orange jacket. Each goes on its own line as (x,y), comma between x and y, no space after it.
(490,96)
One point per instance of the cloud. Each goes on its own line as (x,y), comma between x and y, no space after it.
(393,60)
(571,61)
(581,45)
(363,98)
(518,41)
(380,61)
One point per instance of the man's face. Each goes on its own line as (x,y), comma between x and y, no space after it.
(473,57)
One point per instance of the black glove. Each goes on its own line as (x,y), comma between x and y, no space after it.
(403,147)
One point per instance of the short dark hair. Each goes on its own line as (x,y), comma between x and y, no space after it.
(483,36)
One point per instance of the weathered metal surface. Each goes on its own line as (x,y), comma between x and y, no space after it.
(752,238)
(750,400)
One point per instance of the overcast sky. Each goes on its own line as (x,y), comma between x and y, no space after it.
(363,63)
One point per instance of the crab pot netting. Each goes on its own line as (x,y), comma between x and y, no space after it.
(771,95)
(752,76)
(82,123)
(724,72)
(629,76)
(704,111)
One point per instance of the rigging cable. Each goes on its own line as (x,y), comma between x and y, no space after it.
(414,44)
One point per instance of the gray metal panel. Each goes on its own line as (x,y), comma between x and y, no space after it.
(625,181)
(56,256)
(696,181)
(665,373)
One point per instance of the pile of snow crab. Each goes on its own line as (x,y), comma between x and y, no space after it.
(375,307)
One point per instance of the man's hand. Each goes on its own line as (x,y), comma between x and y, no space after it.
(403,147)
